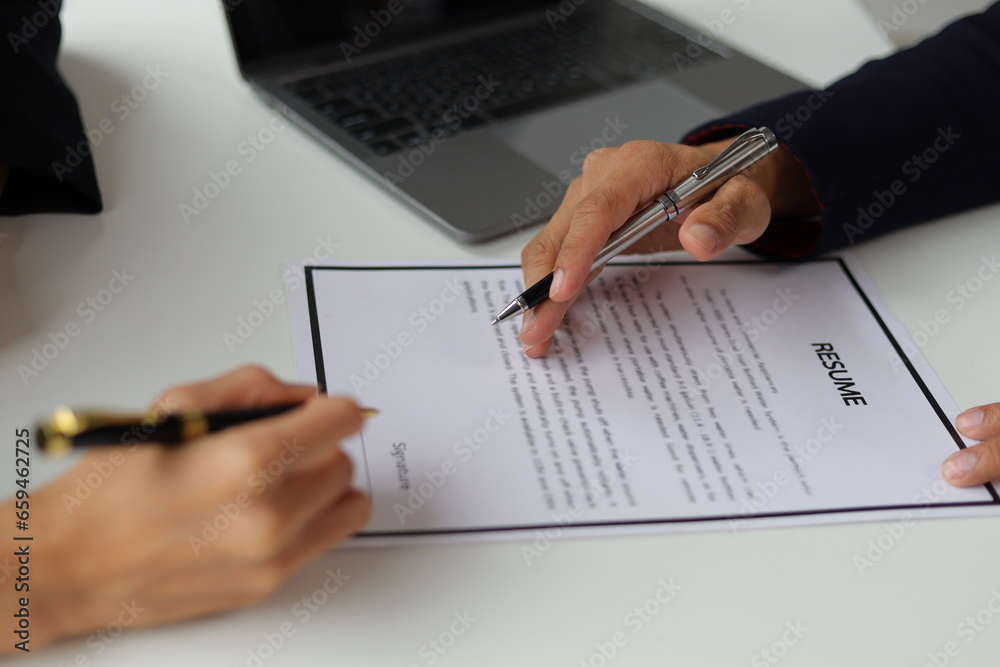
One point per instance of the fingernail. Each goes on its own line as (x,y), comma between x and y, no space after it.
(558,278)
(959,465)
(705,236)
(527,322)
(528,347)
(368,413)
(969,420)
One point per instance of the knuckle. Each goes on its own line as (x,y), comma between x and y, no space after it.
(235,457)
(176,398)
(258,533)
(594,206)
(539,250)
(727,220)
(574,187)
(633,149)
(596,157)
(254,374)
(989,459)
(991,416)
(674,158)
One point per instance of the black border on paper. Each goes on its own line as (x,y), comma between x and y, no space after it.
(949,427)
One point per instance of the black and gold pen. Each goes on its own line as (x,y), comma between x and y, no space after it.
(66,429)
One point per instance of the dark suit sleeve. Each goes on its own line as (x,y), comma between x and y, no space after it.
(41,134)
(903,140)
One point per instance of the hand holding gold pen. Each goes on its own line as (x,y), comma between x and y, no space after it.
(66,429)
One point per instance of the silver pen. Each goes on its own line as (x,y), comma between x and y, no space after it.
(745,150)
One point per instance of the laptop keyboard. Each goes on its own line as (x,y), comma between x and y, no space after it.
(409,100)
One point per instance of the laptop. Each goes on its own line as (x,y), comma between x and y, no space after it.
(478,113)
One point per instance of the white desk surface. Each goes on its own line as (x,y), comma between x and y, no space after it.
(193,281)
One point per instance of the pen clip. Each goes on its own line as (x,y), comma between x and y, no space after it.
(750,135)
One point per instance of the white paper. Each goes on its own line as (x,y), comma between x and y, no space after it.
(680,396)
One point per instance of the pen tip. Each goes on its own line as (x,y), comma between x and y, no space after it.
(495,320)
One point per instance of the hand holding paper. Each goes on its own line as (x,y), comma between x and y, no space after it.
(980,463)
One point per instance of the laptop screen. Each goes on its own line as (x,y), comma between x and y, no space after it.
(267,29)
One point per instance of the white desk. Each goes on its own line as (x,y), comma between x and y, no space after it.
(192,282)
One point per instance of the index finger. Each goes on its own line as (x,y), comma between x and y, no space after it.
(644,170)
(246,387)
(539,324)
(296,439)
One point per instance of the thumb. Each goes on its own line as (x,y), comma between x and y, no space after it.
(737,213)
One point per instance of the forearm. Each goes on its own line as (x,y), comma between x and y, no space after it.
(904,140)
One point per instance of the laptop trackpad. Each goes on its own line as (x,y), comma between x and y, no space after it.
(559,139)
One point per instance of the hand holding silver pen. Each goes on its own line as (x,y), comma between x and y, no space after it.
(617,183)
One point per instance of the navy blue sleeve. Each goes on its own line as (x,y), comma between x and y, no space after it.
(41,134)
(903,140)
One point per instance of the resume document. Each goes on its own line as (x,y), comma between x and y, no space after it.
(677,396)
